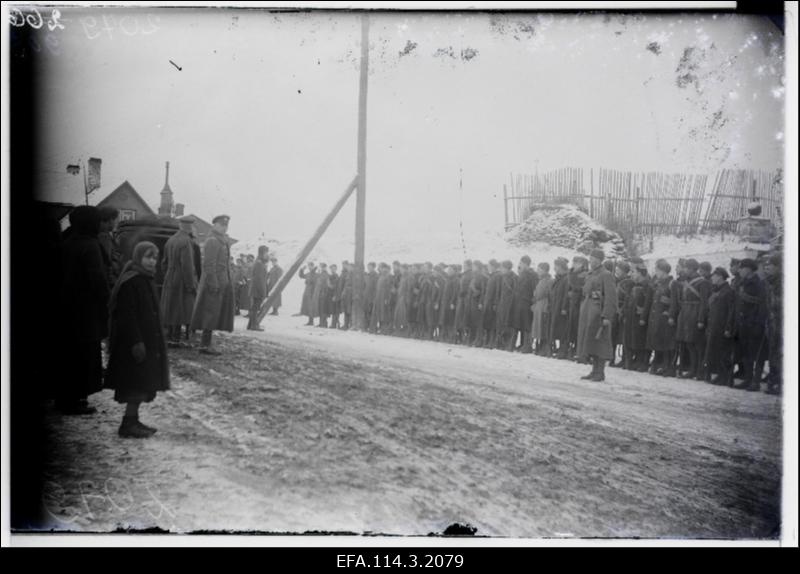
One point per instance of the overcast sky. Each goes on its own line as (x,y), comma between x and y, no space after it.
(260,122)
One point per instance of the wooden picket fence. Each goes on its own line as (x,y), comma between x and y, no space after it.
(648,203)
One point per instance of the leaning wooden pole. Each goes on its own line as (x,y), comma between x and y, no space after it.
(361,192)
(286,277)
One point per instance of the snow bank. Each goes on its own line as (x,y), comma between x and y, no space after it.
(566,226)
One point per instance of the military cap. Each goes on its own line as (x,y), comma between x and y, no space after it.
(508,264)
(263,249)
(562,262)
(682,262)
(526,260)
(493,263)
(187,219)
(722,272)
(749,263)
(221,218)
(663,265)
(597,254)
(580,259)
(692,264)
(705,266)
(624,265)
(544,265)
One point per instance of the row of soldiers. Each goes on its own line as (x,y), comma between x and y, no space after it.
(693,325)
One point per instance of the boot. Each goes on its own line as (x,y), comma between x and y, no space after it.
(132,428)
(592,372)
(599,371)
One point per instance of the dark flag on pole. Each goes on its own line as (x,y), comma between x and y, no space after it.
(93,174)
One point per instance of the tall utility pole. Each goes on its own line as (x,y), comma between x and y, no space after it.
(361,191)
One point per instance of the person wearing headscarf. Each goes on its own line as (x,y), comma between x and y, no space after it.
(84,312)
(137,365)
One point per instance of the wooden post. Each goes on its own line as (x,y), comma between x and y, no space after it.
(505,203)
(361,193)
(262,312)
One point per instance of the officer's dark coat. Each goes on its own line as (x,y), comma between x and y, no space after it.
(576,282)
(321,298)
(382,304)
(273,276)
(624,287)
(449,302)
(599,302)
(370,288)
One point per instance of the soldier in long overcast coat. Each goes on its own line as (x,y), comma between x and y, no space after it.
(720,329)
(447,306)
(273,276)
(663,319)
(462,304)
(506,333)
(622,277)
(258,288)
(692,318)
(540,329)
(490,304)
(214,306)
(310,276)
(522,314)
(477,293)
(370,286)
(381,316)
(319,301)
(751,316)
(577,278)
(597,310)
(636,315)
(559,308)
(180,280)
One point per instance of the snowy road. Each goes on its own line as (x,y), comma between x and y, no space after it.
(301,429)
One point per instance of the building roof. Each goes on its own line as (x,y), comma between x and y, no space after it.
(124,193)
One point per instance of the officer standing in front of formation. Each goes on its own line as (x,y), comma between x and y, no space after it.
(258,288)
(720,329)
(214,307)
(274,275)
(750,319)
(180,281)
(597,310)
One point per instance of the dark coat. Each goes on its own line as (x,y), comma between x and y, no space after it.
(693,302)
(559,309)
(308,293)
(433,304)
(321,299)
(477,294)
(599,302)
(421,307)
(751,308)
(664,306)
(334,295)
(273,276)
(505,301)
(382,304)
(576,281)
(449,302)
(214,306)
(721,320)
(403,306)
(540,328)
(490,301)
(522,315)
(624,287)
(636,315)
(137,319)
(258,285)
(83,314)
(180,280)
(370,288)
(462,302)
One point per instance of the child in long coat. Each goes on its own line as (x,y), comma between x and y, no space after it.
(137,366)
